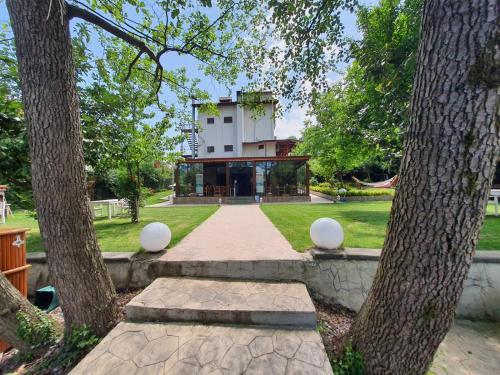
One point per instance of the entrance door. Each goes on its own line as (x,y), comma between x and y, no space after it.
(241,178)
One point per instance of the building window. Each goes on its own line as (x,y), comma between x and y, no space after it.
(228,148)
(210,120)
(228,120)
(210,149)
(261,147)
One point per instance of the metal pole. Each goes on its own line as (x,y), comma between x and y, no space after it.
(193,114)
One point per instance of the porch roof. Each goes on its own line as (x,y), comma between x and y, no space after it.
(245,158)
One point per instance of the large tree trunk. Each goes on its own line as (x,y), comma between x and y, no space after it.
(51,108)
(11,303)
(451,150)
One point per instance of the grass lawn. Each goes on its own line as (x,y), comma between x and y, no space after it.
(156,197)
(364,223)
(119,234)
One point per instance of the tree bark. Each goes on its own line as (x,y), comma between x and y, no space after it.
(12,302)
(48,85)
(451,149)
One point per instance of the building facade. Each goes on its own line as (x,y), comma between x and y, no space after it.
(236,154)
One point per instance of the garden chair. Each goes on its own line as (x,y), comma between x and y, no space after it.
(123,204)
(219,191)
(98,210)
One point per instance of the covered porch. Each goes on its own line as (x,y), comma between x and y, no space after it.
(270,178)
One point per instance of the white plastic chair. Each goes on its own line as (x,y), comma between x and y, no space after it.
(98,210)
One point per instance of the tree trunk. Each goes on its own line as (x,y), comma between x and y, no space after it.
(451,150)
(133,194)
(12,302)
(48,85)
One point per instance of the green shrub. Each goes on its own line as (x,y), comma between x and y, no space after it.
(352,192)
(351,363)
(75,345)
(324,185)
(39,332)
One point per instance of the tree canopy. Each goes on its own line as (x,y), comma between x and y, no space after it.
(14,159)
(362,118)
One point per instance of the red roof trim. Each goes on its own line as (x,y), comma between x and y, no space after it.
(255,158)
(257,142)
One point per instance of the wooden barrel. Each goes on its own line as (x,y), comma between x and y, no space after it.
(13,261)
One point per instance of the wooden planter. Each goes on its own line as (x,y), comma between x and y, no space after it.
(13,262)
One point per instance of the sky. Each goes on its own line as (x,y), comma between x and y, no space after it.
(292,121)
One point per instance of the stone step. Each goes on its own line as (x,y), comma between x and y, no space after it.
(177,348)
(223,301)
(259,269)
(239,200)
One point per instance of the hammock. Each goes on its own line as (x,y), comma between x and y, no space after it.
(382,184)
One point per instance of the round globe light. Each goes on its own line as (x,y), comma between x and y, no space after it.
(342,191)
(327,233)
(155,237)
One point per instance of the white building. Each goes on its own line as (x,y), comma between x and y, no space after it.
(237,155)
(239,130)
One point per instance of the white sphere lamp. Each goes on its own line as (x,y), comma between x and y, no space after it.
(327,233)
(155,237)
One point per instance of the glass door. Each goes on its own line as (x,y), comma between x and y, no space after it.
(241,179)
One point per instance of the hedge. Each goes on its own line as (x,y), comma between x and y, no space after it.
(351,192)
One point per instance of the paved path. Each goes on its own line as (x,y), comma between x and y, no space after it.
(234,232)
(184,348)
(316,199)
(470,348)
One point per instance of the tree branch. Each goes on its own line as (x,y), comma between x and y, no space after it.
(131,65)
(74,11)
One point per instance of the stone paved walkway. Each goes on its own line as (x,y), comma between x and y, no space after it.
(315,200)
(470,348)
(239,232)
(176,348)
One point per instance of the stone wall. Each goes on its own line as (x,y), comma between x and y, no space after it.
(343,278)
(215,200)
(127,270)
(346,278)
(286,198)
(195,200)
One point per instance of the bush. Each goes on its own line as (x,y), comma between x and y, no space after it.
(352,192)
(324,185)
(156,178)
(75,345)
(39,333)
(351,363)
(144,195)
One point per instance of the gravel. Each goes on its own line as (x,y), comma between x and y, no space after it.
(333,324)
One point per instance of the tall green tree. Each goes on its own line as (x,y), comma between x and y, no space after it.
(362,118)
(51,106)
(14,160)
(117,120)
(451,149)
(225,38)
